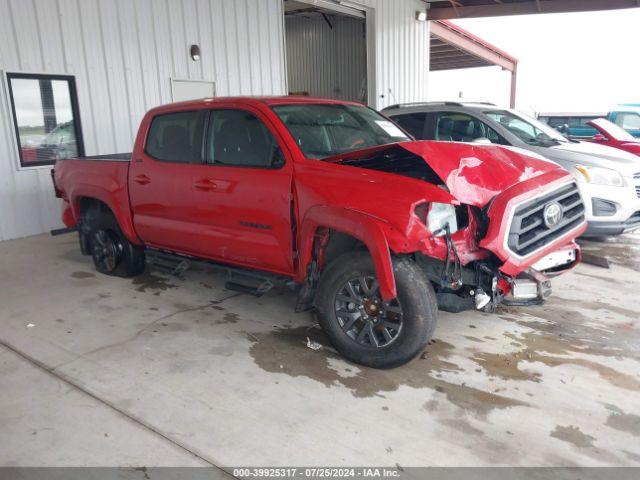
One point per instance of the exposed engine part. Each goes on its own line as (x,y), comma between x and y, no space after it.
(530,288)
(451,278)
(481,299)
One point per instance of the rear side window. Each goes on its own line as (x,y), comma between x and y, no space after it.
(176,137)
(412,123)
(237,137)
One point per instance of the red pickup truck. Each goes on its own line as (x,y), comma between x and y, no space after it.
(374,229)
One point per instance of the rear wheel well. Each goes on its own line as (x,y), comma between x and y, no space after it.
(88,204)
(89,209)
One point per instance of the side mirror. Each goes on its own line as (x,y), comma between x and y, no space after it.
(277,159)
(598,137)
(482,141)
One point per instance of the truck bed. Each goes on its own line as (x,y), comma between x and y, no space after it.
(100,177)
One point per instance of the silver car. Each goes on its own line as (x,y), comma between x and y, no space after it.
(608,178)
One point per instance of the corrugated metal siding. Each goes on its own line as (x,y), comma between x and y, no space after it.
(123,53)
(402,52)
(325,61)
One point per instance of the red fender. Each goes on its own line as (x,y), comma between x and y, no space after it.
(367,229)
(122,215)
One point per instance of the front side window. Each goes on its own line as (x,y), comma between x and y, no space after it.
(628,121)
(325,130)
(460,127)
(46,118)
(530,131)
(239,138)
(176,137)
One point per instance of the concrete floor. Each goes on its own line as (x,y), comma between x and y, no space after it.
(161,371)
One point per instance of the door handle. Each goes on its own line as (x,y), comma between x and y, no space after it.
(141,179)
(205,185)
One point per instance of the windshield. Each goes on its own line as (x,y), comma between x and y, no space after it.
(613,130)
(325,130)
(529,130)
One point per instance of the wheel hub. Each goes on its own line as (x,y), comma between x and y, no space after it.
(371,307)
(364,316)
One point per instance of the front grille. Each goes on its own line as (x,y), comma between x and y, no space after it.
(529,232)
(638,190)
(636,175)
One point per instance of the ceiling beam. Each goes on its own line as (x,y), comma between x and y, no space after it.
(467,44)
(494,9)
(436,67)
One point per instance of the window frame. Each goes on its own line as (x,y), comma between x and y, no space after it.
(205,123)
(265,122)
(75,111)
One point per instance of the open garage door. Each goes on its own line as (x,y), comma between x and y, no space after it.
(326,45)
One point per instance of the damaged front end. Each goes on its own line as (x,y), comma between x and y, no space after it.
(506,225)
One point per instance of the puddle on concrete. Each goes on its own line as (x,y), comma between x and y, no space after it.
(623,250)
(573,435)
(229,317)
(152,282)
(473,339)
(284,350)
(81,275)
(562,331)
(506,366)
(556,334)
(624,422)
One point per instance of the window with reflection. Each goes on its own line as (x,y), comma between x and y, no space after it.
(46,118)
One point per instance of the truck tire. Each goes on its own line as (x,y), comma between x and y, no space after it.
(364,328)
(112,253)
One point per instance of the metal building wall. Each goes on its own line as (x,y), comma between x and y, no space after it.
(123,53)
(326,61)
(402,52)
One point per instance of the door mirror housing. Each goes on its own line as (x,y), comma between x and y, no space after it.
(598,137)
(482,141)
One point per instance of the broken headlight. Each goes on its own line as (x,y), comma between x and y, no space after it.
(436,216)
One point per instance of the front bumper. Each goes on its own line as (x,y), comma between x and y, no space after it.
(624,200)
(598,229)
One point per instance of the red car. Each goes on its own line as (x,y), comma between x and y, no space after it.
(613,136)
(376,231)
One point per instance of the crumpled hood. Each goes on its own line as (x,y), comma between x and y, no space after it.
(474,174)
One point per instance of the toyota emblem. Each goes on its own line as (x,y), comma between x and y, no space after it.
(552,214)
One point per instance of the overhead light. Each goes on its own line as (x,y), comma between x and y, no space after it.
(421,16)
(194,51)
